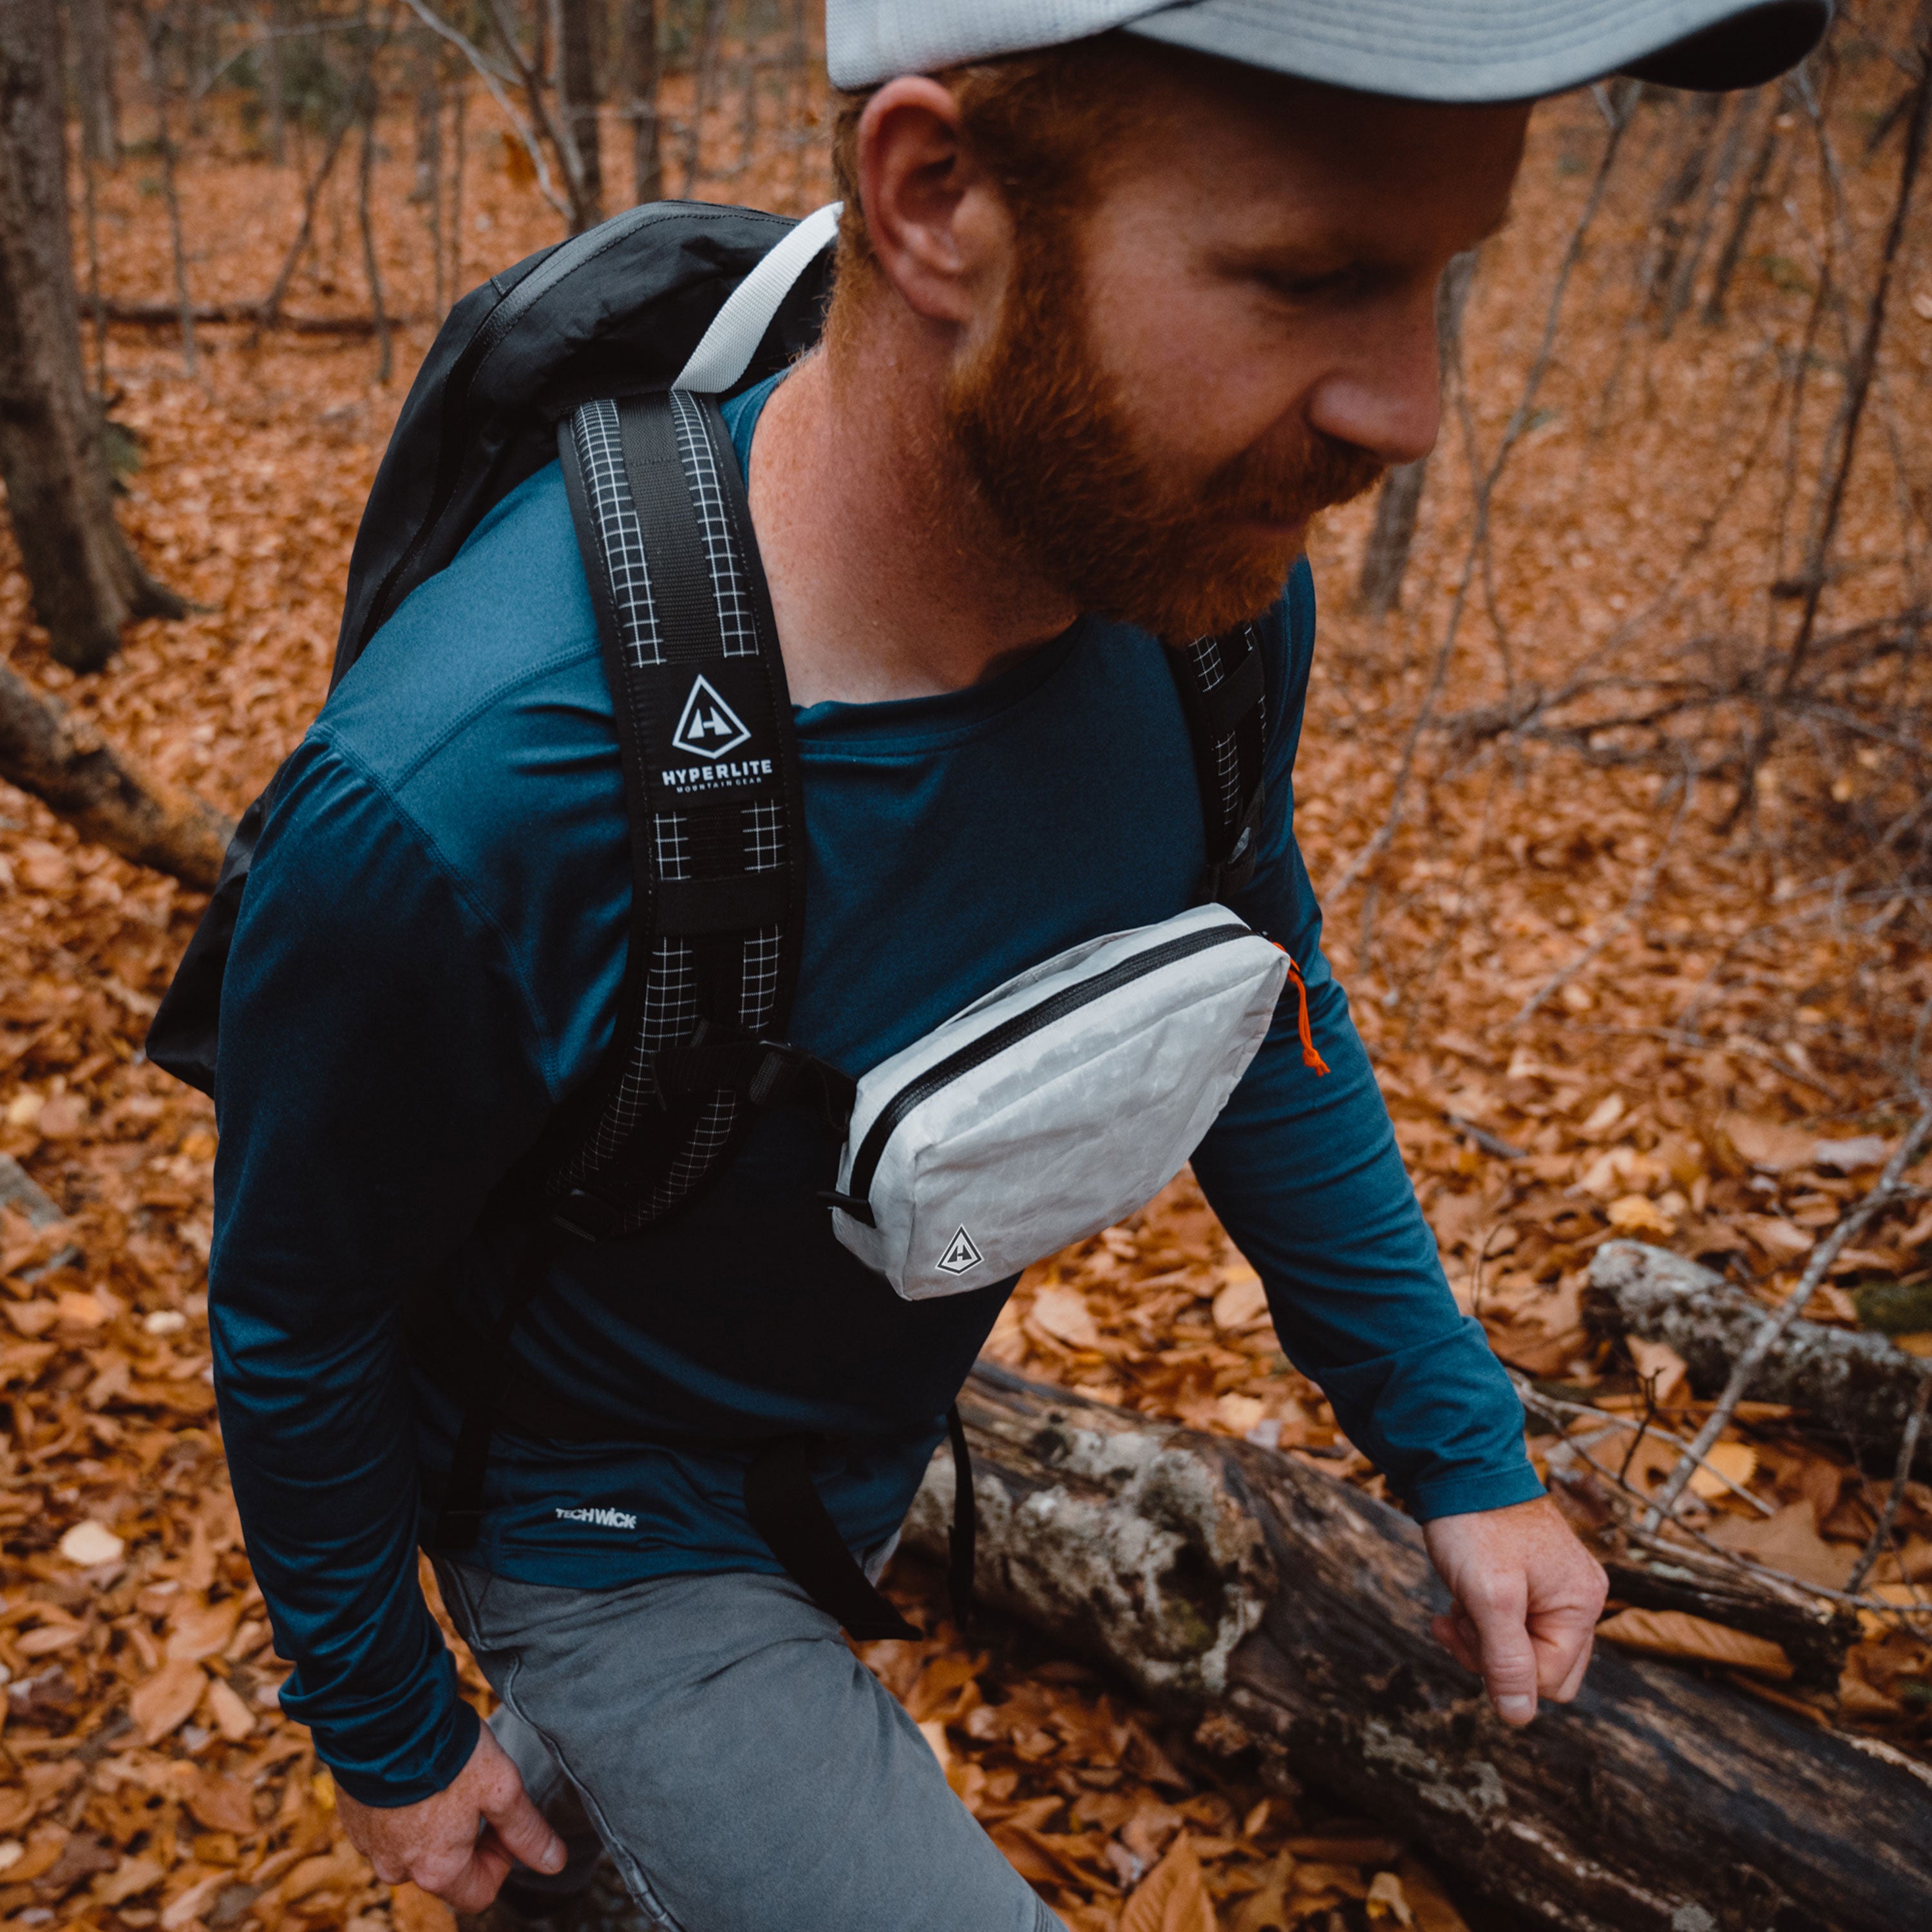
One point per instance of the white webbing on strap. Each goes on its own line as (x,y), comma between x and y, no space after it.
(739,326)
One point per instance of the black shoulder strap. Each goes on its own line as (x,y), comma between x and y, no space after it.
(711,785)
(1223,686)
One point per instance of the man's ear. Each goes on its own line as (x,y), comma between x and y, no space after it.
(936,222)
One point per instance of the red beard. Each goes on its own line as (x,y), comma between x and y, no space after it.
(1041,423)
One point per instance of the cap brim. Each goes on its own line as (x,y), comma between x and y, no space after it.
(1478,50)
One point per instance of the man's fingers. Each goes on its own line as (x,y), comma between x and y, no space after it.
(477,1883)
(1509,1658)
(520,1828)
(1572,1680)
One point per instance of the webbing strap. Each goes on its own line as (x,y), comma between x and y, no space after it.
(1223,689)
(965,1524)
(787,1511)
(712,787)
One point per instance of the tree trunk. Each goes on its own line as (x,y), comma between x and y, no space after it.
(641,74)
(274,84)
(710,31)
(86,582)
(159,34)
(1846,1382)
(577,91)
(65,763)
(1292,1612)
(1385,561)
(94,78)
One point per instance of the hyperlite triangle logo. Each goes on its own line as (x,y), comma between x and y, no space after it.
(707,727)
(961,1255)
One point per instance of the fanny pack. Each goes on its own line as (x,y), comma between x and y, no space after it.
(1055,1104)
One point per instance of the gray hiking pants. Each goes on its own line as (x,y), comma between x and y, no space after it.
(744,1770)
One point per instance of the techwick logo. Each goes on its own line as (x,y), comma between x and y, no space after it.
(604,1519)
(707,727)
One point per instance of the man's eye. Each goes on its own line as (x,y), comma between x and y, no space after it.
(1309,288)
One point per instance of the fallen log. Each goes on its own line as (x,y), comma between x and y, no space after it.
(104,794)
(1290,1614)
(1849,1383)
(255,315)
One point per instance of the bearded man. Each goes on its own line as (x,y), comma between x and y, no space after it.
(1126,295)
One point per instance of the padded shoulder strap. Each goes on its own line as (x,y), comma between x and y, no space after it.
(712,788)
(1223,686)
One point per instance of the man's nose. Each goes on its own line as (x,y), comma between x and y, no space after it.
(1383,392)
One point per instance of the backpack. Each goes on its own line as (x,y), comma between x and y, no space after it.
(609,353)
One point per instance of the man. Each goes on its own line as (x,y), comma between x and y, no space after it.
(1117,313)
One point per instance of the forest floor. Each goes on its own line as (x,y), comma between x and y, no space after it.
(1598,1003)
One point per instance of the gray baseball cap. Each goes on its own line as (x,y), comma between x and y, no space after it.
(1450,50)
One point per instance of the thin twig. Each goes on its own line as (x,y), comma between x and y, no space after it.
(1908,1450)
(1748,1364)
(1865,365)
(385,357)
(486,73)
(1554,1408)
(271,308)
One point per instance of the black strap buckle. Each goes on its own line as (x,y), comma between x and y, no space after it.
(767,1072)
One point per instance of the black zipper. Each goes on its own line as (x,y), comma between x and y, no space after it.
(977,1052)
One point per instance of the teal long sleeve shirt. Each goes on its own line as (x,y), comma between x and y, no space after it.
(427,961)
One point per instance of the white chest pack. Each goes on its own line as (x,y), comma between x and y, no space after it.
(1055,1104)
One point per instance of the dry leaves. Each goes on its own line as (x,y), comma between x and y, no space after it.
(1715,1076)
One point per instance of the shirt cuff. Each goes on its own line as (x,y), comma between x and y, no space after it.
(425,1764)
(1442,1420)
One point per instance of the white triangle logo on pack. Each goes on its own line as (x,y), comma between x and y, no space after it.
(961,1255)
(707,727)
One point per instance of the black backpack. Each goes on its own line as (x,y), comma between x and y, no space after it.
(609,353)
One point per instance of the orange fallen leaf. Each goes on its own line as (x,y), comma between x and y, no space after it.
(1242,1301)
(41,1852)
(1789,1541)
(1768,1145)
(1173,1897)
(232,1718)
(1064,1313)
(166,1701)
(1736,1460)
(197,1630)
(1387,1900)
(1660,1365)
(129,1879)
(222,1804)
(1427,1900)
(194,1899)
(1676,1633)
(1267,1910)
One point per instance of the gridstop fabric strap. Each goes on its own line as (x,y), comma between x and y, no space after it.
(711,784)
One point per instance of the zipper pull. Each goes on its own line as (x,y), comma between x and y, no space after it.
(1311,1054)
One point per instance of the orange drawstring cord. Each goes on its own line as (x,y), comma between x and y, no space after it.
(1310,1054)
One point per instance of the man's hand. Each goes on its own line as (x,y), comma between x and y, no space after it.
(461,1843)
(1528,1595)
